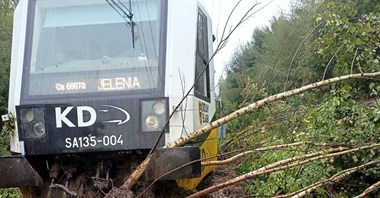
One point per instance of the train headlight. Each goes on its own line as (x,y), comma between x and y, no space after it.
(39,129)
(152,122)
(27,115)
(154,114)
(159,107)
(32,122)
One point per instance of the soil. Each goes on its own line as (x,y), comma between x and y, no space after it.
(222,174)
(80,179)
(168,189)
(120,192)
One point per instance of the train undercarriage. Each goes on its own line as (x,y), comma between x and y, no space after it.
(87,175)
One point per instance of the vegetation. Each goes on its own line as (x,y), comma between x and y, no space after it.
(6,21)
(315,41)
(6,24)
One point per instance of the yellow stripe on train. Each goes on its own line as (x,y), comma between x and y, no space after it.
(208,149)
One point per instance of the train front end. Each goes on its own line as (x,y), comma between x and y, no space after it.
(92,77)
(93,84)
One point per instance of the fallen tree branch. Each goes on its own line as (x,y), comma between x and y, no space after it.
(278,166)
(220,46)
(335,178)
(245,153)
(268,148)
(63,188)
(283,163)
(369,189)
(273,121)
(250,108)
(245,110)
(276,147)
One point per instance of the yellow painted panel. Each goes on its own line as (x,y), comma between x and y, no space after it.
(208,149)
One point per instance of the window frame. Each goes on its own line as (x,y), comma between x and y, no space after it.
(26,98)
(202,69)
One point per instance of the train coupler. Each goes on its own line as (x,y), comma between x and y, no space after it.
(174,163)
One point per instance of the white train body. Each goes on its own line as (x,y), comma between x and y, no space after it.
(181,23)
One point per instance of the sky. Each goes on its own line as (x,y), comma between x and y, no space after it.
(219,11)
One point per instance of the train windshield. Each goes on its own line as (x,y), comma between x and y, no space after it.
(91,46)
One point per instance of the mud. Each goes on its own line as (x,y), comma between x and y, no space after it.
(89,178)
(222,174)
(120,192)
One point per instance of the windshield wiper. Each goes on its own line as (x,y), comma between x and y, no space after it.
(126,14)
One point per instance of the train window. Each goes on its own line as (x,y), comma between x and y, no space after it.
(202,87)
(94,46)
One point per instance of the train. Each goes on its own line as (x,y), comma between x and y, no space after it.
(95,83)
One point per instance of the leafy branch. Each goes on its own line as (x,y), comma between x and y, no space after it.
(280,166)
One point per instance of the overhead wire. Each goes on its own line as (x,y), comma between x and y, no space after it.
(144,46)
(115,9)
(129,15)
(129,11)
(151,30)
(158,34)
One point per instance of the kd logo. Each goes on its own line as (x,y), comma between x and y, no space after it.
(60,117)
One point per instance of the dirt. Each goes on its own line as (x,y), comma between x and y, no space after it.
(163,189)
(222,174)
(120,192)
(168,189)
(83,183)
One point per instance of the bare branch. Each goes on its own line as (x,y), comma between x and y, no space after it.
(273,121)
(286,41)
(63,188)
(245,153)
(247,15)
(221,45)
(331,59)
(296,53)
(262,149)
(335,178)
(353,60)
(269,148)
(228,19)
(245,110)
(278,166)
(128,184)
(369,189)
(250,108)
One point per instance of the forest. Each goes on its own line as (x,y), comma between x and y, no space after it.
(315,41)
(6,23)
(320,143)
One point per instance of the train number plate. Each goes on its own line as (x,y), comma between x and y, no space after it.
(93,141)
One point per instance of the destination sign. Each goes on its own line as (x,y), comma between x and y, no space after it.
(109,84)
(102,84)
(92,82)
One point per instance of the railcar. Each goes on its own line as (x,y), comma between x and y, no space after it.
(93,84)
